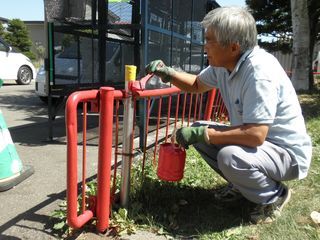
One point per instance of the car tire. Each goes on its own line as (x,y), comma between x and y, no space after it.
(24,76)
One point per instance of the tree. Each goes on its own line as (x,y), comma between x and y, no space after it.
(2,32)
(274,19)
(301,44)
(18,36)
(314,21)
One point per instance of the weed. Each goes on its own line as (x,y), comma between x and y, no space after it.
(188,210)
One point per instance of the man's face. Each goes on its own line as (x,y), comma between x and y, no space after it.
(218,56)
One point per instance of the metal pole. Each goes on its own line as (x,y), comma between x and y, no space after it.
(130,75)
(49,65)
(102,33)
(105,155)
(144,61)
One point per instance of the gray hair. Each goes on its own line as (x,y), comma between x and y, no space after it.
(232,25)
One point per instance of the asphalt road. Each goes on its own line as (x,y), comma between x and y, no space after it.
(25,209)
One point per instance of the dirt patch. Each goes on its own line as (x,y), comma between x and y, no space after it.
(139,235)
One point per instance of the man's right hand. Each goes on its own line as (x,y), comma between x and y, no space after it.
(158,68)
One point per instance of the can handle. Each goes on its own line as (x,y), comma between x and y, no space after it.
(174,142)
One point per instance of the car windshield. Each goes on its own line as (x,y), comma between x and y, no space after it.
(71,52)
(4,47)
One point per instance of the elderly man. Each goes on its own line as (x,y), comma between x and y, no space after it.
(266,142)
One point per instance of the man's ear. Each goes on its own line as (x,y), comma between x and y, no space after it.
(235,48)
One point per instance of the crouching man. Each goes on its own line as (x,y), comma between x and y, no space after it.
(266,142)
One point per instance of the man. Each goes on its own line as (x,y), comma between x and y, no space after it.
(266,142)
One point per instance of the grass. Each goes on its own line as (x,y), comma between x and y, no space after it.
(187,210)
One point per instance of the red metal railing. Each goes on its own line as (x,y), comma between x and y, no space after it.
(172,108)
(73,219)
(106,97)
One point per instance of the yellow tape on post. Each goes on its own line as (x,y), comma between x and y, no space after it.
(130,72)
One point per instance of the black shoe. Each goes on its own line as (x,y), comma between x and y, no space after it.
(268,213)
(228,194)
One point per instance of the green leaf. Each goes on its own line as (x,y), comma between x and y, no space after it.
(123,213)
(59,225)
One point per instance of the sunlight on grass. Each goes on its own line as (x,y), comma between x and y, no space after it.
(188,208)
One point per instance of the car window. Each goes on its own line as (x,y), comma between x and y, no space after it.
(71,52)
(5,47)
(2,47)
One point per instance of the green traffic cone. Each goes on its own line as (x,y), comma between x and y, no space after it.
(10,162)
(12,171)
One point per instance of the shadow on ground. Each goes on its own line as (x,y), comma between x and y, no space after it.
(32,215)
(37,134)
(185,211)
(23,101)
(310,103)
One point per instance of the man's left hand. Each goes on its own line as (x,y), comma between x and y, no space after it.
(186,136)
(160,69)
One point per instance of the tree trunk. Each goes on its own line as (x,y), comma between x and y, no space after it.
(314,20)
(301,41)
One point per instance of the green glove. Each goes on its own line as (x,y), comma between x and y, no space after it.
(186,136)
(160,69)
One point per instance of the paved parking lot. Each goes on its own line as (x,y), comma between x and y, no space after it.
(26,208)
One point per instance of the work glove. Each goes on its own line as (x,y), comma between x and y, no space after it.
(186,136)
(161,70)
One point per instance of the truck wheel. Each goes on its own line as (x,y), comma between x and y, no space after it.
(24,76)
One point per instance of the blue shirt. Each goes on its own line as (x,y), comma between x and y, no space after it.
(259,91)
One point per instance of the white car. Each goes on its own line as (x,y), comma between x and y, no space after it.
(14,65)
(66,68)
(41,86)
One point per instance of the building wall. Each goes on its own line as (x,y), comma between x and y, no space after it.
(286,59)
(36,33)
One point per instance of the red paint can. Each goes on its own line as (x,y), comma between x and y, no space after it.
(171,162)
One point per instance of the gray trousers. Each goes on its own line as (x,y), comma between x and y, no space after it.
(256,172)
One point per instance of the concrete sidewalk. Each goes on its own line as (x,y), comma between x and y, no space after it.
(26,208)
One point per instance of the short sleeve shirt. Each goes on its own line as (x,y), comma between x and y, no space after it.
(259,91)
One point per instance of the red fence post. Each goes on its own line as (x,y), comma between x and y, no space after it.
(73,219)
(209,105)
(105,155)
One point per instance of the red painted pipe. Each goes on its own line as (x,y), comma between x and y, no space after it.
(190,107)
(105,155)
(84,156)
(209,105)
(157,92)
(73,219)
(177,111)
(157,131)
